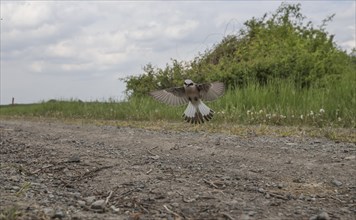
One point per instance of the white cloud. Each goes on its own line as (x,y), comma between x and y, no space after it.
(61,49)
(181,29)
(65,49)
(37,66)
(26,14)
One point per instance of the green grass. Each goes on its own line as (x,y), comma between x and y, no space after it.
(279,103)
(10,213)
(276,109)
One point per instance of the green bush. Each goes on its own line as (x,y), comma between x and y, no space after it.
(280,46)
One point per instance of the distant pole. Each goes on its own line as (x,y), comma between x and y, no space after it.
(13,101)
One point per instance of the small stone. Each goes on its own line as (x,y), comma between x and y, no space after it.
(78,216)
(59,214)
(251,213)
(114,209)
(261,190)
(353,157)
(268,196)
(301,197)
(244,217)
(188,211)
(217,141)
(48,211)
(15,188)
(320,216)
(175,204)
(99,204)
(299,180)
(76,195)
(14,178)
(336,182)
(81,203)
(74,159)
(155,157)
(345,210)
(280,186)
(89,200)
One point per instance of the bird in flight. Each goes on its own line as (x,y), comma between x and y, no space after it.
(193,94)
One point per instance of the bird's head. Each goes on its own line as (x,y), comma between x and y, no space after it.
(188,83)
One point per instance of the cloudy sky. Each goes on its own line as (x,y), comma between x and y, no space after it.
(79,49)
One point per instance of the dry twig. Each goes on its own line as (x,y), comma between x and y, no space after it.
(278,196)
(91,172)
(227,216)
(210,183)
(186,200)
(107,198)
(170,211)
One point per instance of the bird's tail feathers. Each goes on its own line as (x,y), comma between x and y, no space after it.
(198,113)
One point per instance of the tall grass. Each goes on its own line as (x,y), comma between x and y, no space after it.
(278,103)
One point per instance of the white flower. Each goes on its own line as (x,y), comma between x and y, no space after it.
(339,119)
(322,111)
(261,111)
(301,117)
(311,113)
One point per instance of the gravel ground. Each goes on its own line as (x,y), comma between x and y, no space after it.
(61,171)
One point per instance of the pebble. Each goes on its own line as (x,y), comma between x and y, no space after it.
(244,217)
(89,200)
(99,204)
(59,214)
(268,196)
(77,216)
(336,182)
(320,216)
(188,211)
(81,203)
(156,157)
(353,157)
(114,209)
(175,204)
(217,141)
(48,211)
(15,188)
(74,159)
(15,178)
(251,213)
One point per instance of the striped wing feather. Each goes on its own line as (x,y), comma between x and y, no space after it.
(171,96)
(211,91)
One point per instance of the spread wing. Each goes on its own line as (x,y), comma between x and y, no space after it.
(171,96)
(211,91)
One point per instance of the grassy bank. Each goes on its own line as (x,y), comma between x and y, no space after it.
(278,103)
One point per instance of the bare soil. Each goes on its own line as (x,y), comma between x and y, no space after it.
(64,171)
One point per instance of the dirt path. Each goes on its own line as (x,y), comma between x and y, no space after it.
(54,170)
